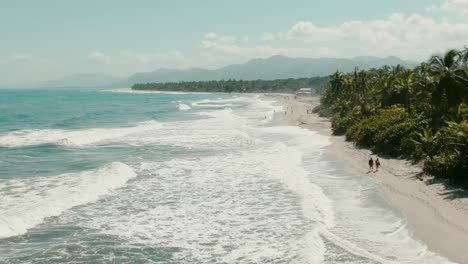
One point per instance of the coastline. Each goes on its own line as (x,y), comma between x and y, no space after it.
(433,214)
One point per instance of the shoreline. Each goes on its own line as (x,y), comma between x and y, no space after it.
(436,215)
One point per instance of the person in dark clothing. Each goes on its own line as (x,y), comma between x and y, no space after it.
(371,164)
(377,164)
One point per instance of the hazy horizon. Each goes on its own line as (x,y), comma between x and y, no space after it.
(50,39)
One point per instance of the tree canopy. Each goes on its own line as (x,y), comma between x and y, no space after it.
(237,86)
(420,114)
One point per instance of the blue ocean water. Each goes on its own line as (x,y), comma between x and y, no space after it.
(117,176)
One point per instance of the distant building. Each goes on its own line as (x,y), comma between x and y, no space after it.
(304,91)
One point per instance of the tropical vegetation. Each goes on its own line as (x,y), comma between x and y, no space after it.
(419,113)
(235,86)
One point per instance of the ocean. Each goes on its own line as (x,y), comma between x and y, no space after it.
(115,176)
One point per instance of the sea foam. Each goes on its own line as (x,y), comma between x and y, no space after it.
(26,203)
(249,201)
(183,107)
(77,137)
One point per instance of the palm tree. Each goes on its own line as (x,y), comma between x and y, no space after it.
(405,83)
(453,82)
(464,55)
(423,85)
(337,82)
(452,86)
(337,87)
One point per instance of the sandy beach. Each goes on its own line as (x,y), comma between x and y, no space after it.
(437,214)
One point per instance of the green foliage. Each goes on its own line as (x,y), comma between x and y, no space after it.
(424,142)
(384,131)
(419,114)
(451,159)
(462,113)
(236,86)
(341,124)
(397,139)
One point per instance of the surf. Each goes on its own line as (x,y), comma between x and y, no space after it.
(27,202)
(72,138)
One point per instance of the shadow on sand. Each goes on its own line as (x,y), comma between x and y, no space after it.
(450,191)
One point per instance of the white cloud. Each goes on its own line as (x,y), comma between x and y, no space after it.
(268,37)
(22,58)
(224,38)
(99,58)
(457,6)
(432,8)
(211,35)
(164,59)
(227,39)
(218,52)
(413,36)
(17,59)
(307,30)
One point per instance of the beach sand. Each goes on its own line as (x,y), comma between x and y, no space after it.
(437,215)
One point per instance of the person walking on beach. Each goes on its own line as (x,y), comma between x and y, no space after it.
(371,164)
(377,164)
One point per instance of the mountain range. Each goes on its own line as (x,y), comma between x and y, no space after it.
(276,67)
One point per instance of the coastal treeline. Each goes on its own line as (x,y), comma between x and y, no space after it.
(235,86)
(419,113)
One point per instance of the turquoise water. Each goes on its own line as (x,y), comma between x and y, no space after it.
(37,114)
(129,177)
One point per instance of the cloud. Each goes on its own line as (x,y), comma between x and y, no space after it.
(22,58)
(225,38)
(432,8)
(309,31)
(268,37)
(163,59)
(456,6)
(211,35)
(17,59)
(413,36)
(217,51)
(99,57)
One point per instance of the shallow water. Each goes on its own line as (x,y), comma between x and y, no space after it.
(129,177)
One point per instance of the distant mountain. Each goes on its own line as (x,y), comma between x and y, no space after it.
(91,80)
(276,67)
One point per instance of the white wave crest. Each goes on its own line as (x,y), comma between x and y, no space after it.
(213,103)
(80,137)
(26,203)
(226,198)
(183,107)
(131,91)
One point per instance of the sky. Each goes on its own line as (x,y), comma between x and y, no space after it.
(48,39)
